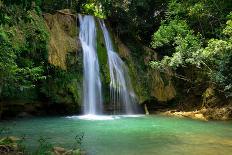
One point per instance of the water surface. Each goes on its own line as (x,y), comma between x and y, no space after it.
(121,135)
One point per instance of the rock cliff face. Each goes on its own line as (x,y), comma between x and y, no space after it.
(162,91)
(64,55)
(148,83)
(63,36)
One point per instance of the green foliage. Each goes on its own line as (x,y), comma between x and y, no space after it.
(218,56)
(7,59)
(188,51)
(53,5)
(61,86)
(184,42)
(102,56)
(228,29)
(133,17)
(25,72)
(168,33)
(24,40)
(93,8)
(204,16)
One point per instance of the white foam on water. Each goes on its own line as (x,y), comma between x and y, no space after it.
(132,115)
(94,117)
(102,117)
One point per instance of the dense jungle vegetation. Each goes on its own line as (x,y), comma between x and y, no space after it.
(193,40)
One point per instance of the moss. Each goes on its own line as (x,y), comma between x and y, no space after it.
(103,63)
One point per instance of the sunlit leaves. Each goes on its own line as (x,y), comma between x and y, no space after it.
(228,30)
(93,9)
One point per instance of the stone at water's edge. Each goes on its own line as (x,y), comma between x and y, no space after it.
(223,113)
(62,151)
(9,145)
(193,114)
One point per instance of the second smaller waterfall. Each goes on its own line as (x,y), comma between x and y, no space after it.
(121,90)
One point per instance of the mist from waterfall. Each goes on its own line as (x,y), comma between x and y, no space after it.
(92,96)
(121,90)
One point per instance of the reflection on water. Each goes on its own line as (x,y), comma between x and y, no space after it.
(123,135)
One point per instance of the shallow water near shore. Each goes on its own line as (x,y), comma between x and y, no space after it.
(128,135)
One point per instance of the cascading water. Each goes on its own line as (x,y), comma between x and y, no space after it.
(92,82)
(121,90)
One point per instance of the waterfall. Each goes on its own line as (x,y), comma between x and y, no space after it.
(92,97)
(121,90)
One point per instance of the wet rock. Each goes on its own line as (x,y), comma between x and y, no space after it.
(63,151)
(216,113)
(190,114)
(223,113)
(199,116)
(162,87)
(59,150)
(8,145)
(76,152)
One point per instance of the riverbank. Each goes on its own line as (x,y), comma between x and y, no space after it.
(11,145)
(205,114)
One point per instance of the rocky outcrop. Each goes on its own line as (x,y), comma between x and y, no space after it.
(210,98)
(188,114)
(162,87)
(223,113)
(156,84)
(63,36)
(123,50)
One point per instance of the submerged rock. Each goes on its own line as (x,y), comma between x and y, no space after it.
(63,151)
(58,150)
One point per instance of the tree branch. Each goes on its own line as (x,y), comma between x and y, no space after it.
(64,13)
